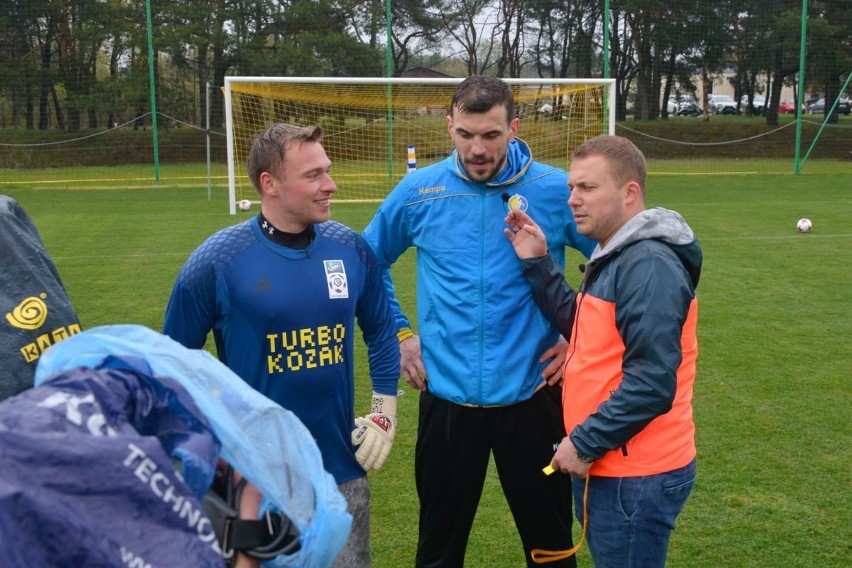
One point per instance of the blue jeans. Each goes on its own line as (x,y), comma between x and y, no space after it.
(631,518)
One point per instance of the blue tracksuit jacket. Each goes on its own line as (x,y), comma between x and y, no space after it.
(480,330)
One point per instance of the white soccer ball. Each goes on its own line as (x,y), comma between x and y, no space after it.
(804,225)
(244,204)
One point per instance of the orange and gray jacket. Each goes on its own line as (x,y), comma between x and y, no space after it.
(630,367)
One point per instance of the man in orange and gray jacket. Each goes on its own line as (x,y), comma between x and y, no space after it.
(630,367)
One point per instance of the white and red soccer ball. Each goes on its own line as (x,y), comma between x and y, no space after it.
(804,225)
(244,204)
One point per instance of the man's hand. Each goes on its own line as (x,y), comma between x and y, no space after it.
(567,461)
(526,237)
(373,434)
(412,362)
(552,374)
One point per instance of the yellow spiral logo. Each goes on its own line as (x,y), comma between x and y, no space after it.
(29,314)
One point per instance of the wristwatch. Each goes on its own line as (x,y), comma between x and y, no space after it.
(585,458)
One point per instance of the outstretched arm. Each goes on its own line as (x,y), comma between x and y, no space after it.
(550,290)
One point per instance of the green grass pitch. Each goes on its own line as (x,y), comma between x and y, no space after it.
(774,388)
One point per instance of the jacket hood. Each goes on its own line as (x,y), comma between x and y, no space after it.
(663,225)
(518,160)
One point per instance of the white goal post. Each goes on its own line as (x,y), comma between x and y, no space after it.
(376,129)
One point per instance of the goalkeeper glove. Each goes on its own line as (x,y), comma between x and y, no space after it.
(373,434)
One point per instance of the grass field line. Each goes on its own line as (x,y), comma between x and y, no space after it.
(103,179)
(147,187)
(775,237)
(736,173)
(137,255)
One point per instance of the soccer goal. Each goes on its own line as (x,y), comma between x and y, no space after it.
(377,129)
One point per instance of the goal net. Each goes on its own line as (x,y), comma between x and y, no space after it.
(377,129)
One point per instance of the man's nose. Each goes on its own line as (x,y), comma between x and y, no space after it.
(478,146)
(329,185)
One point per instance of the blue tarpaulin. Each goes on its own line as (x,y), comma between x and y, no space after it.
(260,439)
(87,477)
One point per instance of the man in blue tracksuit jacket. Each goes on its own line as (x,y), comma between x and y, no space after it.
(486,360)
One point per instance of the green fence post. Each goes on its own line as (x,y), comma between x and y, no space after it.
(153,91)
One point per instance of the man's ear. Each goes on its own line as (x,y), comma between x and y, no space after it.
(514,124)
(633,192)
(267,184)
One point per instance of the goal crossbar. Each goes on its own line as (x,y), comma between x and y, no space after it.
(377,129)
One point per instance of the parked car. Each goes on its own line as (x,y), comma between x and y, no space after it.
(788,106)
(818,106)
(758,103)
(682,105)
(671,105)
(688,107)
(721,104)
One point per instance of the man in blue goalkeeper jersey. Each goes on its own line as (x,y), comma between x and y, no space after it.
(281,293)
(489,367)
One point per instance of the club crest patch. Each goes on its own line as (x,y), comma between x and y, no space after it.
(519,202)
(335,275)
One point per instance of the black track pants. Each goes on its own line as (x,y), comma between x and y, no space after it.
(454,443)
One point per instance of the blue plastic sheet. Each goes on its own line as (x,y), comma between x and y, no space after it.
(87,477)
(266,443)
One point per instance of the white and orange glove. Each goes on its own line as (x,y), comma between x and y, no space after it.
(374,433)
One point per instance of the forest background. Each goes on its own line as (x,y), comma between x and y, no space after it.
(72,65)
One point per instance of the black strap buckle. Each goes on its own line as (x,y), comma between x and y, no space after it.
(263,539)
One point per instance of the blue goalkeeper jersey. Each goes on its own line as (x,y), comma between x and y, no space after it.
(284,321)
